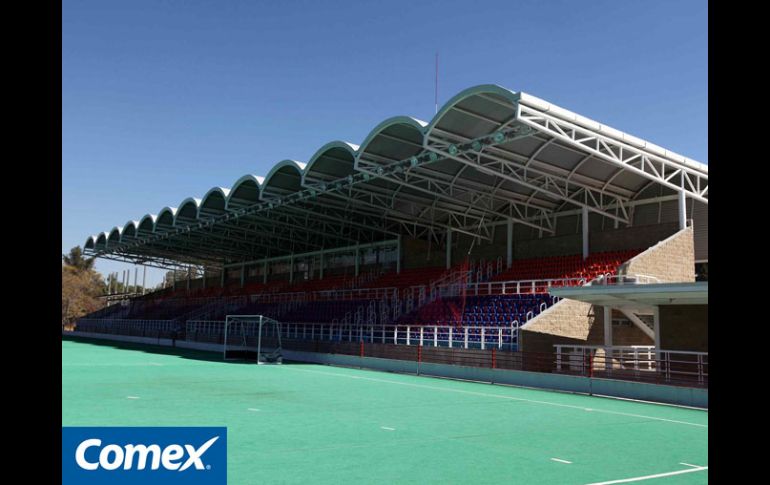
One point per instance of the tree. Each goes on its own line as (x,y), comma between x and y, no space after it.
(81,286)
(75,259)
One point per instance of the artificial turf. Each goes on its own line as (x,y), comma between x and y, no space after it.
(306,423)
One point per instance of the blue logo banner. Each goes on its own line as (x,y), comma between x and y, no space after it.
(144,455)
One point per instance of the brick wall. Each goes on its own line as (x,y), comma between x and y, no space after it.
(568,322)
(576,323)
(671,260)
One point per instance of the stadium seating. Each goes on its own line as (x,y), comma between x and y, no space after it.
(572,266)
(490,311)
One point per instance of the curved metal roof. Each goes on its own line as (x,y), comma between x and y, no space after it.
(488,154)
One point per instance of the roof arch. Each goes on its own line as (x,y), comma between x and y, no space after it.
(101,241)
(246,191)
(332,161)
(129,230)
(464,109)
(398,137)
(146,225)
(285,177)
(166,219)
(187,212)
(114,236)
(90,242)
(214,202)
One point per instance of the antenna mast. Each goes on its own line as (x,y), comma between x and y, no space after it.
(436,87)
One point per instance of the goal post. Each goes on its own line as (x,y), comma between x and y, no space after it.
(252,337)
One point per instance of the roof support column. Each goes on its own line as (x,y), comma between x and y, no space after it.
(222,277)
(509,244)
(358,257)
(398,254)
(682,210)
(144,279)
(264,272)
(204,277)
(189,270)
(448,248)
(291,268)
(173,280)
(243,275)
(321,269)
(136,278)
(585,232)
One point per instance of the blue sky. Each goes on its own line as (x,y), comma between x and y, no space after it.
(164,99)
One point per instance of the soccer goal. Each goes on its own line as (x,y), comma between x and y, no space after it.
(253,337)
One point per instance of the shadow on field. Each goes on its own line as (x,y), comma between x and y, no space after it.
(192,354)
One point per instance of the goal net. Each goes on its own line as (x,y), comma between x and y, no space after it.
(252,337)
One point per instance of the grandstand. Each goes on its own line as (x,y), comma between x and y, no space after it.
(496,236)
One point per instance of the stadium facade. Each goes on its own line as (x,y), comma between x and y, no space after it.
(506,223)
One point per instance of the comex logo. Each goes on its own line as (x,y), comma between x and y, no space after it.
(145,455)
(113,456)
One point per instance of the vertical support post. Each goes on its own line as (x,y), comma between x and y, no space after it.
(585,232)
(607,337)
(264,272)
(682,210)
(222,276)
(259,340)
(450,337)
(204,277)
(358,258)
(189,270)
(291,268)
(323,262)
(448,248)
(243,275)
(136,278)
(144,279)
(398,254)
(173,284)
(509,244)
(607,326)
(656,330)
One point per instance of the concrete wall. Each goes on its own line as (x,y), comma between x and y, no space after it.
(671,260)
(528,245)
(684,327)
(585,385)
(416,253)
(636,237)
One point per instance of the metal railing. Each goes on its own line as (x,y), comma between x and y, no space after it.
(466,337)
(636,362)
(139,328)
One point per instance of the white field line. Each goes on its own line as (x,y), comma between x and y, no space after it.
(483,394)
(561,461)
(687,464)
(649,477)
(132,397)
(252,409)
(387,428)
